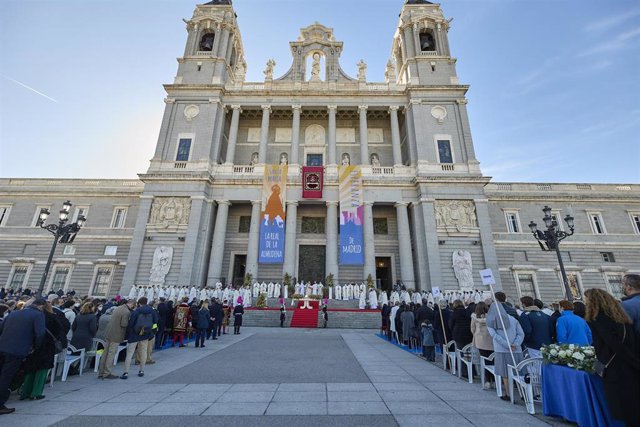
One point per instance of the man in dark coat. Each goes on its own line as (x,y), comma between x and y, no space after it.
(163,315)
(21,332)
(424,313)
(217,313)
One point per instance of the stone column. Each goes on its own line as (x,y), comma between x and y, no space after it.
(466,131)
(254,239)
(137,241)
(420,246)
(404,243)
(264,134)
(233,134)
(395,136)
(331,263)
(369,246)
(294,156)
(411,135)
(289,265)
(216,40)
(191,240)
(331,155)
(217,243)
(486,238)
(431,240)
(364,137)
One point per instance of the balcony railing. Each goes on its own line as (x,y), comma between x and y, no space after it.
(243,169)
(429,53)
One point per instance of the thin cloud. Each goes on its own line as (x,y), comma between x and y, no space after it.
(611,21)
(29,88)
(622,41)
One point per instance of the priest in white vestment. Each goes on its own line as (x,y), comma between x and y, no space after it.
(362,301)
(133,293)
(256,289)
(337,292)
(373,299)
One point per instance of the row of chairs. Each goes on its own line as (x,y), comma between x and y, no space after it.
(63,361)
(526,375)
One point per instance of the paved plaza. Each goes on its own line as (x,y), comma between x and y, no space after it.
(276,377)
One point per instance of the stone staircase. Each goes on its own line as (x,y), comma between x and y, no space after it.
(305,317)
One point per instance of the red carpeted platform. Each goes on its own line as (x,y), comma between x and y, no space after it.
(305,317)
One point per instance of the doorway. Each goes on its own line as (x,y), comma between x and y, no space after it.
(239,268)
(311,263)
(383,273)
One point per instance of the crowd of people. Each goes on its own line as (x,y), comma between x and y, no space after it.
(513,332)
(33,330)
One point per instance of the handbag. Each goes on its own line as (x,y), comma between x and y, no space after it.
(601,368)
(57,344)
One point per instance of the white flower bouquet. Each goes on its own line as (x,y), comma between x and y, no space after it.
(582,358)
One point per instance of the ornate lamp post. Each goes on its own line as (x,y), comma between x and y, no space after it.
(62,232)
(551,238)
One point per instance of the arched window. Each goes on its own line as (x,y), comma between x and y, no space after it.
(206,42)
(426,42)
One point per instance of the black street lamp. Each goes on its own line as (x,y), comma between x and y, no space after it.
(551,238)
(62,232)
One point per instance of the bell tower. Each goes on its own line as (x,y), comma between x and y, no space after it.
(420,46)
(213,53)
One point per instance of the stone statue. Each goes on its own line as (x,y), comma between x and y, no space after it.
(241,71)
(390,72)
(362,71)
(161,264)
(284,159)
(375,161)
(315,68)
(462,268)
(346,159)
(268,72)
(255,158)
(459,214)
(170,211)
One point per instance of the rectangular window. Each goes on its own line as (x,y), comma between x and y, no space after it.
(119,216)
(555,217)
(607,257)
(184,147)
(60,278)
(444,151)
(380,226)
(34,223)
(245,224)
(513,222)
(635,219)
(80,210)
(314,159)
(18,278)
(4,215)
(102,282)
(597,225)
(69,250)
(110,250)
(312,225)
(527,288)
(615,285)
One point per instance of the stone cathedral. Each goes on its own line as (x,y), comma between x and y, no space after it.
(424,204)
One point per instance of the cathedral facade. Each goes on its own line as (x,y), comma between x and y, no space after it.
(424,204)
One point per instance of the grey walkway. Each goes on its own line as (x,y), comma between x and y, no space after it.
(276,377)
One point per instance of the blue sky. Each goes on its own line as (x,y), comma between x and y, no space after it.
(555,86)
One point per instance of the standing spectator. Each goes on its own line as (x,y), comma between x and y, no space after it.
(393,312)
(238,311)
(181,321)
(536,325)
(424,313)
(283,315)
(631,300)
(408,322)
(103,322)
(617,347)
(40,360)
(570,328)
(501,297)
(460,325)
(482,341)
(139,332)
(84,327)
(226,310)
(325,316)
(163,315)
(20,333)
(428,343)
(202,319)
(114,335)
(507,336)
(579,309)
(218,315)
(441,317)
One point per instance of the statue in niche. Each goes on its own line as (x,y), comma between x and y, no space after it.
(375,160)
(362,70)
(315,68)
(390,72)
(462,268)
(255,158)
(161,264)
(241,70)
(284,159)
(268,72)
(346,159)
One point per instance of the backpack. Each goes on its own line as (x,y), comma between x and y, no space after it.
(144,323)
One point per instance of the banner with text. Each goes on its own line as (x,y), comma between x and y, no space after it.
(312,182)
(351,214)
(272,220)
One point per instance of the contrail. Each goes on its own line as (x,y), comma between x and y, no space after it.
(28,87)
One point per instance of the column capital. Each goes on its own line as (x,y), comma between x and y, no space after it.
(393,108)
(236,107)
(332,203)
(295,107)
(169,100)
(462,101)
(266,108)
(363,108)
(401,204)
(415,101)
(215,101)
(332,107)
(223,202)
(292,203)
(367,203)
(256,202)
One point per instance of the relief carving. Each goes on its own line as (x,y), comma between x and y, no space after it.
(458,214)
(170,212)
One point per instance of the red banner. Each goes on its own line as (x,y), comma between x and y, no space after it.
(312,182)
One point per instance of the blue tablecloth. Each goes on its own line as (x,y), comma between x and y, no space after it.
(575,396)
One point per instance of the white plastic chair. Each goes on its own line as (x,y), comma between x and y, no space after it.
(52,371)
(464,357)
(527,376)
(70,356)
(449,355)
(121,347)
(484,368)
(96,353)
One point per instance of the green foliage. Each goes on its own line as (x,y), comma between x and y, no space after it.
(370,281)
(329,280)
(248,279)
(261,302)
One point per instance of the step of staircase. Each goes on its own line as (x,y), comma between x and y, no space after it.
(305,317)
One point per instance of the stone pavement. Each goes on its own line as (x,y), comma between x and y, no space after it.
(276,377)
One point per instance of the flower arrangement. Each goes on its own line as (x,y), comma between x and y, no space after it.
(329,280)
(582,358)
(297,296)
